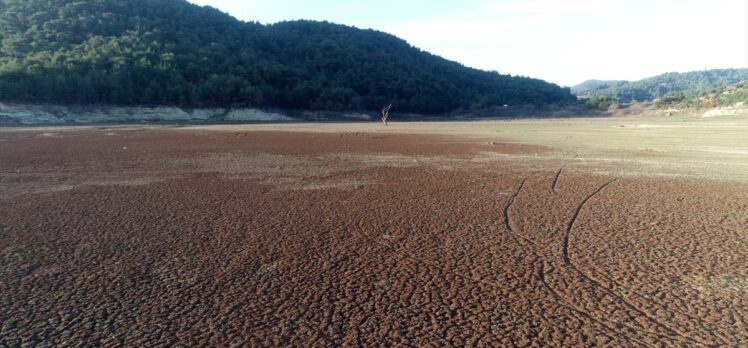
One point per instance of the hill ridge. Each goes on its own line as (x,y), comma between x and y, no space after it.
(171,52)
(687,84)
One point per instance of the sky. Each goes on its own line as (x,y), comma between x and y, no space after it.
(562,41)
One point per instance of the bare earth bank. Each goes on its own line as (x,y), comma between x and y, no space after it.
(524,233)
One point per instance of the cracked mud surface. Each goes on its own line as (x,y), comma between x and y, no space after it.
(165,237)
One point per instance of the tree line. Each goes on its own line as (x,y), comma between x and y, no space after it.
(668,86)
(170,52)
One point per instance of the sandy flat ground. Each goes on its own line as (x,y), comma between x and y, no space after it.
(686,146)
(609,232)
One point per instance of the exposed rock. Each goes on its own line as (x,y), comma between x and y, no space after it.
(28,114)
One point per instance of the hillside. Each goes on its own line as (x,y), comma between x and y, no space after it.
(735,95)
(588,85)
(170,52)
(689,84)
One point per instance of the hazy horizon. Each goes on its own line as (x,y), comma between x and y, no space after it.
(564,43)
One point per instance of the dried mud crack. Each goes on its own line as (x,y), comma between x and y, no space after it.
(543,260)
(164,237)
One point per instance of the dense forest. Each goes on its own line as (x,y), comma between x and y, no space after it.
(668,85)
(589,85)
(171,52)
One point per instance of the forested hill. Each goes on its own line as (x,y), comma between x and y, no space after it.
(589,85)
(171,52)
(672,84)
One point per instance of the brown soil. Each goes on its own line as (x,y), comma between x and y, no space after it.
(161,237)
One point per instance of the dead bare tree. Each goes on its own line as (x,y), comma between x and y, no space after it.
(385,113)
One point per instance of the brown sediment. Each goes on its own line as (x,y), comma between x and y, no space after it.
(164,237)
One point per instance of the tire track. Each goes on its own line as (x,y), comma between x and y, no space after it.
(597,284)
(563,302)
(573,221)
(509,230)
(541,276)
(508,223)
(555,179)
(508,206)
(483,282)
(609,325)
(612,281)
(643,298)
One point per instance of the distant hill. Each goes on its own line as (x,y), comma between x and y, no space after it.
(732,95)
(688,84)
(171,52)
(588,85)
